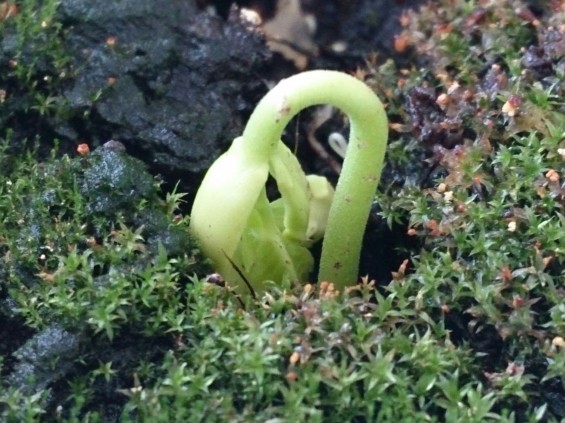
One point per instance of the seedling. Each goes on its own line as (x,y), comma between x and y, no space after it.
(248,237)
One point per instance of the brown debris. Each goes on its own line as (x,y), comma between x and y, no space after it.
(290,33)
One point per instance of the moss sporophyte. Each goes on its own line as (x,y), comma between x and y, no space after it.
(251,239)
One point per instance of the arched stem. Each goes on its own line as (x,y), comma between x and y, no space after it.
(362,166)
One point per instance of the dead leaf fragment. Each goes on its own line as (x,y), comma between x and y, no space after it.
(290,33)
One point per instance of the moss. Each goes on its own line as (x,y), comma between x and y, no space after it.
(469,329)
(36,63)
(491,217)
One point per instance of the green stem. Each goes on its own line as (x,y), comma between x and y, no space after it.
(362,166)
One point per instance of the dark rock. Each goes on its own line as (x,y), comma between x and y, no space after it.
(48,360)
(169,82)
(113,182)
(36,367)
(114,146)
(553,42)
(536,60)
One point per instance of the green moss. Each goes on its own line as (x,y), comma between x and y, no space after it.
(469,330)
(67,220)
(36,62)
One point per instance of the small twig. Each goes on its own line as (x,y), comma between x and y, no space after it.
(242,276)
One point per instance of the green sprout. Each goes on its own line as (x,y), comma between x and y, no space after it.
(251,240)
